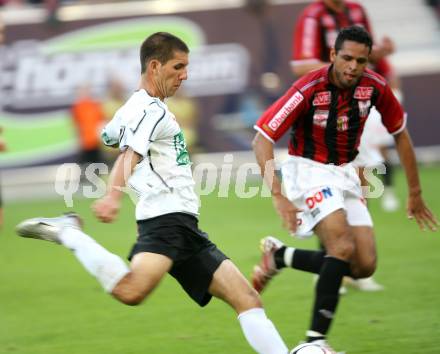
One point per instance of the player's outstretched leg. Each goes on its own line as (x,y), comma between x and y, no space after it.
(48,229)
(232,287)
(108,268)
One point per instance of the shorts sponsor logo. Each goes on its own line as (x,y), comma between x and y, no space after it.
(342,123)
(363,93)
(320,118)
(364,108)
(318,197)
(315,212)
(284,112)
(322,98)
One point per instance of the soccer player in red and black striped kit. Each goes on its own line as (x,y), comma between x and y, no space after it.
(314,35)
(325,112)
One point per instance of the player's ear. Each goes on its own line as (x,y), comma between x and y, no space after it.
(154,65)
(332,54)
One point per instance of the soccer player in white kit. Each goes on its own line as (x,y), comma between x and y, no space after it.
(154,159)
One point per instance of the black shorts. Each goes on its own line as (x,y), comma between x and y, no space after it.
(195,257)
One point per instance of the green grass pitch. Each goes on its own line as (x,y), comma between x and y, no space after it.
(50,305)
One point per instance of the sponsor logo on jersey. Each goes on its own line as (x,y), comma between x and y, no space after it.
(284,112)
(320,118)
(363,93)
(364,108)
(318,197)
(322,98)
(342,123)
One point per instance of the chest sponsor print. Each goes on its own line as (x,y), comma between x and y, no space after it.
(363,92)
(322,98)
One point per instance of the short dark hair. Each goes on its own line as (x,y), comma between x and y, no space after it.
(353,33)
(160,46)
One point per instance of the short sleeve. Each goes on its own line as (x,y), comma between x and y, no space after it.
(279,117)
(144,128)
(111,133)
(393,116)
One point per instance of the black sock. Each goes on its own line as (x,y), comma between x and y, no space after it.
(327,293)
(310,339)
(279,257)
(306,260)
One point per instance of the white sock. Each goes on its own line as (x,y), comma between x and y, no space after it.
(106,267)
(261,333)
(288,256)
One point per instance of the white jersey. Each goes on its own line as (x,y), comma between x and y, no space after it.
(163,179)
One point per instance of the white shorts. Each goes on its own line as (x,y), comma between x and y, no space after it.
(320,189)
(374,136)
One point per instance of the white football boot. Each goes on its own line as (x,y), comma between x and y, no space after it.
(48,229)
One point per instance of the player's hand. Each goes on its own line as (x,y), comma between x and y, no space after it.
(287,211)
(418,210)
(106,209)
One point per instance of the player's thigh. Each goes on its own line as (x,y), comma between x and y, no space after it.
(334,232)
(146,271)
(229,284)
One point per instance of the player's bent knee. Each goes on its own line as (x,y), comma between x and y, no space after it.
(343,249)
(130,292)
(363,271)
(249,300)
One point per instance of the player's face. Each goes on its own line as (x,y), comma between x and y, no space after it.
(172,73)
(349,64)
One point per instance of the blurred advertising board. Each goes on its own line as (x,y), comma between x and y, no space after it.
(239,63)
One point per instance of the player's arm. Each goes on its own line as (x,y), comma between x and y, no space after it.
(416,207)
(274,122)
(394,119)
(107,208)
(263,149)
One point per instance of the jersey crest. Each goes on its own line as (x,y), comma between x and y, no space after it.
(182,156)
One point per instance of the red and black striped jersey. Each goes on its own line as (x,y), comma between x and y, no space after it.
(326,122)
(317,28)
